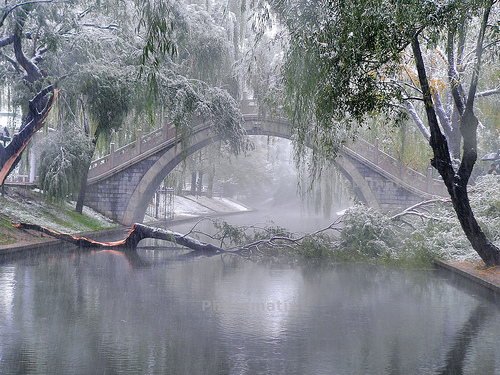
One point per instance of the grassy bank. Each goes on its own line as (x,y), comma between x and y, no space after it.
(20,204)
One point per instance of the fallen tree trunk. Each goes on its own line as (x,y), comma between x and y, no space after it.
(136,234)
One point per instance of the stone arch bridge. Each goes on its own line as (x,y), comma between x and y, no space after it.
(121,184)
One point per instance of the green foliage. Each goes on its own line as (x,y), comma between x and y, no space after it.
(234,236)
(316,247)
(63,161)
(485,202)
(185,98)
(230,235)
(368,233)
(6,238)
(186,40)
(20,204)
(157,18)
(412,240)
(270,231)
(108,98)
(330,71)
(75,219)
(275,242)
(187,56)
(345,60)
(416,240)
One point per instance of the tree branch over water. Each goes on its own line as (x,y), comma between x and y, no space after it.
(139,232)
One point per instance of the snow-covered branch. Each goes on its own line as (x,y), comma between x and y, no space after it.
(416,209)
(488,93)
(418,121)
(7,11)
(109,27)
(444,120)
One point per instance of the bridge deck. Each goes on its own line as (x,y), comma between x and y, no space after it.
(365,152)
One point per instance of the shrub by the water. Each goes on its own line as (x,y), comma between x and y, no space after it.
(368,233)
(424,235)
(430,231)
(315,247)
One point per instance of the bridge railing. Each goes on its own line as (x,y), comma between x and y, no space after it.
(145,144)
(140,147)
(122,155)
(394,167)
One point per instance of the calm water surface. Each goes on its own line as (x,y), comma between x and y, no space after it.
(166,312)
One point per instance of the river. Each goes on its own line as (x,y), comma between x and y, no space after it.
(171,313)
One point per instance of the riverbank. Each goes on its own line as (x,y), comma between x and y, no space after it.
(188,207)
(20,204)
(488,277)
(26,205)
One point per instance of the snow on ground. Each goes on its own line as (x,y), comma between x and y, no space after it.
(191,206)
(219,205)
(30,207)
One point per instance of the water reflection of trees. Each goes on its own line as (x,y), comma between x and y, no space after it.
(102,291)
(461,340)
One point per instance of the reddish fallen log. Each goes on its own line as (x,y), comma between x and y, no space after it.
(136,234)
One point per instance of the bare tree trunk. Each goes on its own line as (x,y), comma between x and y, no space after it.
(83,189)
(199,183)
(83,183)
(210,186)
(193,183)
(39,108)
(456,182)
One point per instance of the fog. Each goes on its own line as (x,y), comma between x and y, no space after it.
(267,180)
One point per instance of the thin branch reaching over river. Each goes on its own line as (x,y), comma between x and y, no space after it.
(141,231)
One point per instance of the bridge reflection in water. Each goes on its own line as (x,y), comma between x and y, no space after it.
(94,313)
(122,184)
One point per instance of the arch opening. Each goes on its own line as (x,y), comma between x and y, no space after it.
(152,179)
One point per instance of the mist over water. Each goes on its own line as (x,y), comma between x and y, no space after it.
(172,312)
(97,313)
(296,220)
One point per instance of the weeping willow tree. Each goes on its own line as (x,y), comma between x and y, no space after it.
(117,70)
(187,66)
(64,161)
(21,55)
(107,99)
(343,66)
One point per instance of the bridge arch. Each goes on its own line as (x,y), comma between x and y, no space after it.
(121,184)
(149,183)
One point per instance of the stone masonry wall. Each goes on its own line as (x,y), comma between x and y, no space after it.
(111,196)
(388,193)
